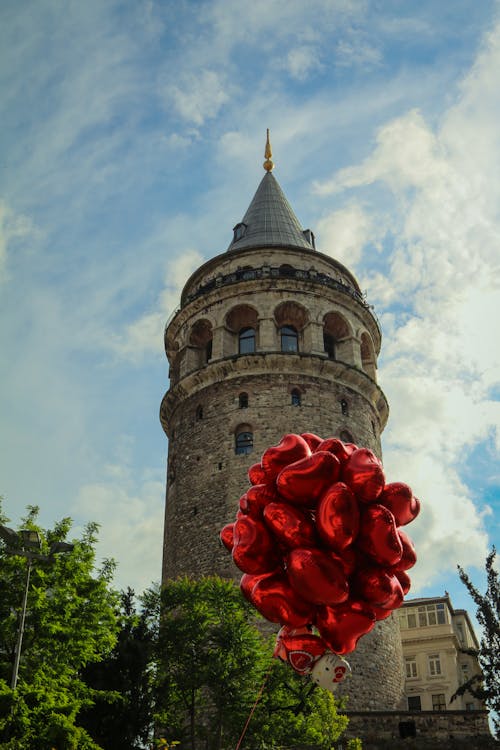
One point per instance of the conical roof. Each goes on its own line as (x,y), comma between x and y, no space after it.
(269,221)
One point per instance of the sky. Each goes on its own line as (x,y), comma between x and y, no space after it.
(132,140)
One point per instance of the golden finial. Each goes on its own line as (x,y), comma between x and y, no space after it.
(268,164)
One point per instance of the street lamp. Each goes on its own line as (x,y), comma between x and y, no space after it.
(27,544)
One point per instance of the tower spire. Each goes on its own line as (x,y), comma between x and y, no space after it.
(268,164)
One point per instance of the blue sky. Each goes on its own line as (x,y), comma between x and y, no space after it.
(132,141)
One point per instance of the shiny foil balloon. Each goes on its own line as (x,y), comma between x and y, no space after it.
(337,517)
(254,550)
(299,647)
(378,536)
(304,481)
(364,474)
(400,500)
(276,600)
(317,576)
(291,526)
(290,448)
(342,626)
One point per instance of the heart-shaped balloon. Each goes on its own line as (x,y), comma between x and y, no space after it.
(247,583)
(409,556)
(227,537)
(290,525)
(337,517)
(399,498)
(299,647)
(276,600)
(254,549)
(317,576)
(338,448)
(378,587)
(256,498)
(404,580)
(311,439)
(256,474)
(378,536)
(304,481)
(342,626)
(290,448)
(364,474)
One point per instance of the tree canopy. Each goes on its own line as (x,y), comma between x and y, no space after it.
(70,623)
(486,687)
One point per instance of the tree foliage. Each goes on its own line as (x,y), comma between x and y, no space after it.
(212,660)
(70,623)
(486,687)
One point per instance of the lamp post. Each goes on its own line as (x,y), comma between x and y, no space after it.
(27,544)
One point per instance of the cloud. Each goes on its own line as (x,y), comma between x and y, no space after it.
(12,226)
(302,61)
(346,232)
(145,333)
(200,95)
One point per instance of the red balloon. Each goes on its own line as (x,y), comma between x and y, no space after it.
(409,556)
(256,498)
(256,474)
(311,439)
(247,583)
(337,517)
(364,474)
(317,576)
(399,498)
(404,580)
(290,525)
(290,448)
(254,550)
(299,647)
(381,614)
(378,587)
(378,536)
(227,537)
(338,448)
(342,626)
(276,600)
(303,482)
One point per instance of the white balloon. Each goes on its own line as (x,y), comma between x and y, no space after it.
(329,670)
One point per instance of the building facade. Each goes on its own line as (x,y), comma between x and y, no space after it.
(435,637)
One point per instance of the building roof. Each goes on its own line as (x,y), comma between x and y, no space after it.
(270,221)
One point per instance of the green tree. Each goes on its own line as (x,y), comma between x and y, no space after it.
(486,687)
(211,662)
(70,623)
(122,712)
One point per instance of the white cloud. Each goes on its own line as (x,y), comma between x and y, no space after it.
(145,333)
(302,61)
(200,95)
(345,232)
(12,226)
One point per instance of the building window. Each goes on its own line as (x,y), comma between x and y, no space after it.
(434,665)
(239,231)
(208,351)
(407,618)
(243,400)
(344,407)
(243,443)
(439,702)
(296,399)
(246,341)
(469,707)
(411,666)
(465,672)
(346,437)
(329,344)
(431,614)
(289,339)
(199,413)
(414,703)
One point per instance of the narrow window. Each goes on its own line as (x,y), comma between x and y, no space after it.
(414,703)
(434,665)
(289,339)
(246,341)
(243,443)
(344,407)
(346,437)
(329,344)
(199,413)
(439,702)
(208,351)
(243,400)
(296,398)
(411,666)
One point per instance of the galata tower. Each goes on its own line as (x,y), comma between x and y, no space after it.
(272,336)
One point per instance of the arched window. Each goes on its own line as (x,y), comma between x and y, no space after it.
(208,351)
(329,344)
(199,412)
(243,443)
(346,437)
(289,339)
(344,407)
(246,341)
(296,398)
(243,400)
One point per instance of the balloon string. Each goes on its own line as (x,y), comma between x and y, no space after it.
(259,696)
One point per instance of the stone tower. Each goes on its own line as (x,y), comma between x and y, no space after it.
(271,337)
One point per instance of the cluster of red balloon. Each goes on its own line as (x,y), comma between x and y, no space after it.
(318,539)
